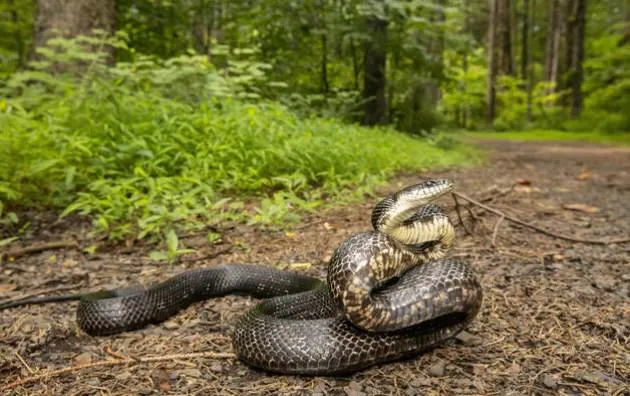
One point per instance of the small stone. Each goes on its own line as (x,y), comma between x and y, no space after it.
(606,283)
(549,381)
(437,370)
(123,376)
(597,378)
(468,339)
(82,359)
(320,389)
(354,389)
(191,372)
(353,392)
(420,382)
(411,392)
(162,380)
(170,325)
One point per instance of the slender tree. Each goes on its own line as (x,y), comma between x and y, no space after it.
(530,58)
(324,64)
(492,61)
(71,18)
(374,70)
(203,25)
(504,31)
(553,42)
(525,40)
(17,34)
(578,58)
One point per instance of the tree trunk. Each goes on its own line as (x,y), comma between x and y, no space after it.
(203,27)
(569,36)
(553,43)
(355,65)
(466,109)
(578,58)
(492,62)
(530,58)
(525,40)
(626,29)
(374,75)
(17,34)
(504,28)
(324,66)
(72,18)
(436,48)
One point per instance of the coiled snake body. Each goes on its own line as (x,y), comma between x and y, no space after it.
(389,294)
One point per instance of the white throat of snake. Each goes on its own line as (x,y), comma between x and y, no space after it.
(408,218)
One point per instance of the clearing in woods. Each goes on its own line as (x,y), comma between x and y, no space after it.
(555,317)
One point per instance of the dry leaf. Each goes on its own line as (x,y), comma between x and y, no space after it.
(80,360)
(524,182)
(162,378)
(300,265)
(190,372)
(526,189)
(581,208)
(69,263)
(7,287)
(584,175)
(328,226)
(514,368)
(290,234)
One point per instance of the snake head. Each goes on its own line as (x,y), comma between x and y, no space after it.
(397,207)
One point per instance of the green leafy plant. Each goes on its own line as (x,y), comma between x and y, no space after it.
(151,146)
(172,251)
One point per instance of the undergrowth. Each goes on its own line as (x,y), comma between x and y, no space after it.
(148,148)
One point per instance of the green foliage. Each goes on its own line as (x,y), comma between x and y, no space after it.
(310,57)
(464,92)
(16,26)
(607,87)
(172,251)
(151,147)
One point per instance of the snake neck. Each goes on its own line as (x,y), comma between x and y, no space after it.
(361,265)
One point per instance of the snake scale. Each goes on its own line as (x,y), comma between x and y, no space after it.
(390,293)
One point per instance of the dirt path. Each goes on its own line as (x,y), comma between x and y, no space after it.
(556,314)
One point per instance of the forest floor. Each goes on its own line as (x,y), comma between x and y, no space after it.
(555,317)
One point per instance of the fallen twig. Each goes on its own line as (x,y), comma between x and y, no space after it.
(8,302)
(209,256)
(496,229)
(19,252)
(538,229)
(130,362)
(459,215)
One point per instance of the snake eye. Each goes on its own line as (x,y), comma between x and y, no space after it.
(437,183)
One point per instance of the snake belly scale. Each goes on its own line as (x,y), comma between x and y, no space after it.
(389,294)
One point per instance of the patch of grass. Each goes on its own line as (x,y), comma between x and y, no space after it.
(551,135)
(141,164)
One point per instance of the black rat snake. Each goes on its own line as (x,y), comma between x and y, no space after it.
(390,293)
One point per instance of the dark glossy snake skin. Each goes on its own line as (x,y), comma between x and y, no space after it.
(389,294)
